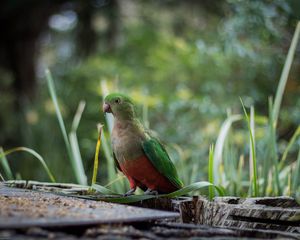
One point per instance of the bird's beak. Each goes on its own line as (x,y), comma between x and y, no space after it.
(106,108)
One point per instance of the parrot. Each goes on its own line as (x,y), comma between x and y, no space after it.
(137,153)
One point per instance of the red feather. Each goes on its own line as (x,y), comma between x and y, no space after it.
(141,172)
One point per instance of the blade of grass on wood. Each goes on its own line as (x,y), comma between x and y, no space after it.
(220,144)
(96,159)
(273,147)
(7,170)
(35,154)
(80,173)
(240,174)
(252,126)
(136,198)
(289,146)
(252,148)
(211,171)
(103,190)
(119,178)
(296,178)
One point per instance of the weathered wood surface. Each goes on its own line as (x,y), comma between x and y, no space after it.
(21,208)
(255,213)
(154,231)
(251,217)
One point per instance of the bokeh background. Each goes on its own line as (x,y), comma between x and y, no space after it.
(185,63)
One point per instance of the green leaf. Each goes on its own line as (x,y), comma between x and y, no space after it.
(285,73)
(136,198)
(75,162)
(296,179)
(5,165)
(96,159)
(218,150)
(35,154)
(103,190)
(252,148)
(289,146)
(211,171)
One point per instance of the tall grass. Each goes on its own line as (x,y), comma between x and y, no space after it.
(78,165)
(72,150)
(211,171)
(253,166)
(218,174)
(267,174)
(273,148)
(285,74)
(96,160)
(32,152)
(296,178)
(5,165)
(289,146)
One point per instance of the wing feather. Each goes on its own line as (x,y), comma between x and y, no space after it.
(159,157)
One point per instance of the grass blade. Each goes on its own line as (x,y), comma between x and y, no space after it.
(77,117)
(119,178)
(296,178)
(240,174)
(111,169)
(288,148)
(52,91)
(136,198)
(220,144)
(193,187)
(103,190)
(96,160)
(252,149)
(6,166)
(285,73)
(273,147)
(78,164)
(252,126)
(211,172)
(35,154)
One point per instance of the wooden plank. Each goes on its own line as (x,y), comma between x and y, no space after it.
(154,231)
(255,213)
(279,213)
(21,208)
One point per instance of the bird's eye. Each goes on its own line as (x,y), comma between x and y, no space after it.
(118,100)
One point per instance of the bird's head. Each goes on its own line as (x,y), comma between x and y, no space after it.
(120,105)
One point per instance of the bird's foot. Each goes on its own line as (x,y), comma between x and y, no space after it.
(130,192)
(151,192)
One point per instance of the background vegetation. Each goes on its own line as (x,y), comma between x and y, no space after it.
(186,63)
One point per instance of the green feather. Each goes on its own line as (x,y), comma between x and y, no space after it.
(159,157)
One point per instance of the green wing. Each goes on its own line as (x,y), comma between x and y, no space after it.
(159,157)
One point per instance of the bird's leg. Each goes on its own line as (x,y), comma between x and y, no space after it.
(130,192)
(151,192)
(132,184)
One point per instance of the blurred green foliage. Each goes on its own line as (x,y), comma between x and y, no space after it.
(185,66)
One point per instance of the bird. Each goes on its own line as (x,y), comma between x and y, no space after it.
(137,153)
